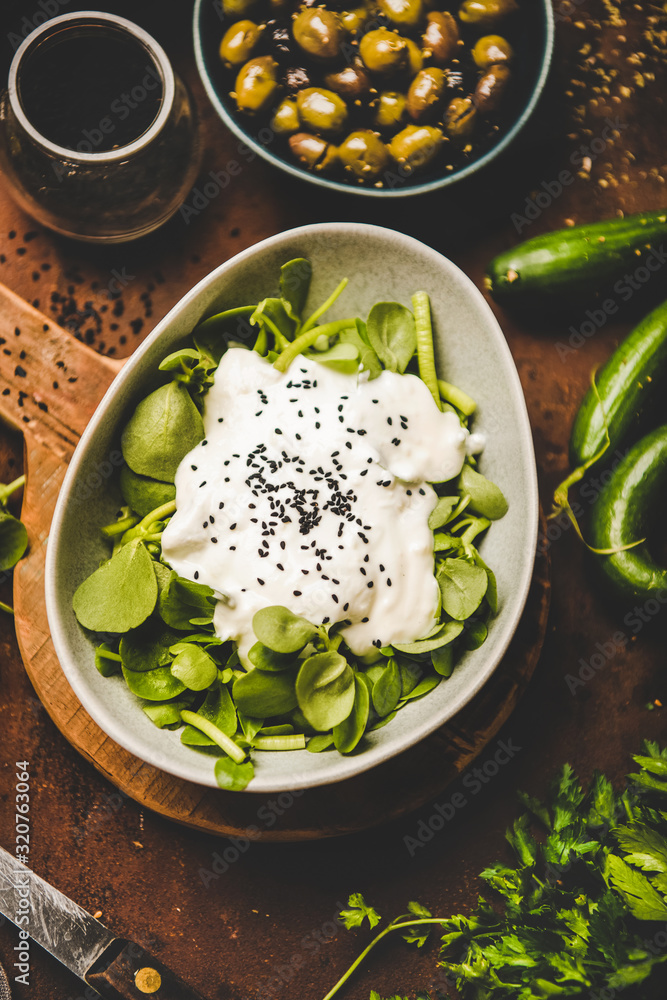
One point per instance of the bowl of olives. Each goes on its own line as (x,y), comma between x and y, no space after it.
(379,97)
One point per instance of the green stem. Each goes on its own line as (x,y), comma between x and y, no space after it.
(313,318)
(261,344)
(295,741)
(479,524)
(215,734)
(6,491)
(376,940)
(141,530)
(425,353)
(219,318)
(6,607)
(280,340)
(307,339)
(457,397)
(119,527)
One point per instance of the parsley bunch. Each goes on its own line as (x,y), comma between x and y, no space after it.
(581,913)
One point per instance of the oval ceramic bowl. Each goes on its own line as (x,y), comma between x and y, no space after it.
(471,352)
(534,50)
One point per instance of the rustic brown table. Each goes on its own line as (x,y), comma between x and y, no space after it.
(265,926)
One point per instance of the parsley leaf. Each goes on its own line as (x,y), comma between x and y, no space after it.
(359,911)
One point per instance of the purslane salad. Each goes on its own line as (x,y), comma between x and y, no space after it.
(296,557)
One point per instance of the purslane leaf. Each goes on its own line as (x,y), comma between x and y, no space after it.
(121,594)
(392,334)
(13,540)
(164,427)
(462,586)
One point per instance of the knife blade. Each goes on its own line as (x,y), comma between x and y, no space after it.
(117,968)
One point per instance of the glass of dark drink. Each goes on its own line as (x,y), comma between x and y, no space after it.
(98,136)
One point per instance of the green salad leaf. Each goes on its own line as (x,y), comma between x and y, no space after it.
(121,594)
(164,427)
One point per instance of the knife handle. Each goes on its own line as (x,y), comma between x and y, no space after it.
(133,974)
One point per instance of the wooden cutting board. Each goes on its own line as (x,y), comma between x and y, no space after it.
(50,385)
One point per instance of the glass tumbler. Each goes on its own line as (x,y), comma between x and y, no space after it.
(98,136)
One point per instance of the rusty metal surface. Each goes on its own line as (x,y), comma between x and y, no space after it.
(257,921)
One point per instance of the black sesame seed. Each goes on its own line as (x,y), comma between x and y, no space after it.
(297,593)
(215,541)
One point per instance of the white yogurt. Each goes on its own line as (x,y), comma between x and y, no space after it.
(311,490)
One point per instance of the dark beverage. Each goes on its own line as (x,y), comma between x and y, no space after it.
(89,89)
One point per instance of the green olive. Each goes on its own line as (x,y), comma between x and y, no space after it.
(354,20)
(415,57)
(383,51)
(319,32)
(440,37)
(364,154)
(416,146)
(237,8)
(350,82)
(313,152)
(492,49)
(321,110)
(391,109)
(425,92)
(257,85)
(239,42)
(286,117)
(403,13)
(491,88)
(486,13)
(460,117)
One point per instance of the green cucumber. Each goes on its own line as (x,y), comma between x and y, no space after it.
(581,260)
(623,515)
(633,377)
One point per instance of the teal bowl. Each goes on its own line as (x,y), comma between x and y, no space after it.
(533,41)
